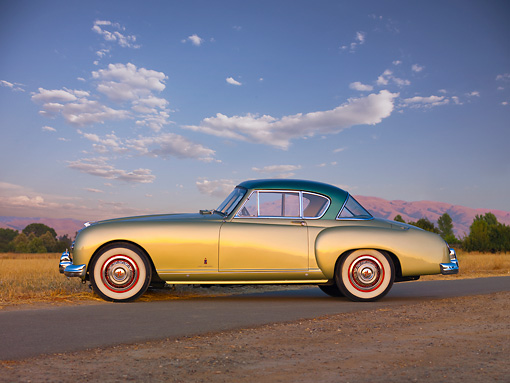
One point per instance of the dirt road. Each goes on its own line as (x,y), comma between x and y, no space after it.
(464,339)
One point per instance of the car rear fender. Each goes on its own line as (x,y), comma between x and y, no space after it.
(417,251)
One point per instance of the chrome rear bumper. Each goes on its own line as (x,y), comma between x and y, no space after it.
(451,267)
(67,268)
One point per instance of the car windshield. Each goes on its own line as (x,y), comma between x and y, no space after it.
(353,210)
(231,201)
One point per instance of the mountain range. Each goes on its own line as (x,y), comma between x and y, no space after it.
(462,216)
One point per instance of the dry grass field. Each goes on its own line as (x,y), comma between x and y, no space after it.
(34,278)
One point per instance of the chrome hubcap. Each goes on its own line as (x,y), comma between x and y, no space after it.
(120,273)
(366,273)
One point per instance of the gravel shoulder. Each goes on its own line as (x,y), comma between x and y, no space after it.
(455,340)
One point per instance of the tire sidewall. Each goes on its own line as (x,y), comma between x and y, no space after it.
(136,256)
(352,292)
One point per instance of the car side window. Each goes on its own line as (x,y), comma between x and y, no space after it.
(279,204)
(250,207)
(314,205)
(271,204)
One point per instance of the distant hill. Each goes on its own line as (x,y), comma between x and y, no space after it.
(61,225)
(412,211)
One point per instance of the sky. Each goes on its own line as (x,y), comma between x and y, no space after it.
(118,108)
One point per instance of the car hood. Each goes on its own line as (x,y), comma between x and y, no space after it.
(162,217)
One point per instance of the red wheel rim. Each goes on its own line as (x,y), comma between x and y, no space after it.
(120,273)
(366,273)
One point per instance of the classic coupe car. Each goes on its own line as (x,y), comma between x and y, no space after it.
(265,232)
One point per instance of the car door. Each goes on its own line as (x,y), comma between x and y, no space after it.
(266,235)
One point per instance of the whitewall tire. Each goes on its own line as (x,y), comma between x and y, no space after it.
(120,272)
(365,275)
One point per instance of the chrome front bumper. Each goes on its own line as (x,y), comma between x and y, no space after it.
(451,267)
(67,268)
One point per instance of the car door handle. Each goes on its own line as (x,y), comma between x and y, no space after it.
(302,223)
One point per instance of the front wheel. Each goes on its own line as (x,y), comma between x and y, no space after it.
(365,275)
(120,272)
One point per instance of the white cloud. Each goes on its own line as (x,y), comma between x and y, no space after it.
(52,96)
(92,190)
(13,86)
(280,171)
(397,62)
(75,107)
(102,52)
(456,100)
(120,83)
(170,144)
(125,82)
(14,198)
(361,87)
(6,84)
(359,39)
(110,32)
(48,129)
(87,112)
(277,168)
(383,79)
(108,144)
(194,39)
(369,110)
(417,68)
(338,150)
(503,77)
(99,167)
(388,76)
(473,94)
(231,81)
(426,102)
(217,188)
(162,145)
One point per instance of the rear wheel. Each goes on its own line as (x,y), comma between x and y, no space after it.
(120,272)
(365,275)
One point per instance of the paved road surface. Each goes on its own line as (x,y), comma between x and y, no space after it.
(27,333)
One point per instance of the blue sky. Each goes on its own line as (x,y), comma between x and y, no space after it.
(123,108)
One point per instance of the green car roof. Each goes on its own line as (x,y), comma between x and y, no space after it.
(335,194)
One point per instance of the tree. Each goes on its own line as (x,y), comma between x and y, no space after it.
(6,236)
(36,245)
(445,224)
(49,242)
(425,224)
(398,218)
(20,243)
(39,229)
(487,234)
(64,242)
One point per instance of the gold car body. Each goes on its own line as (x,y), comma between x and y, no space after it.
(214,248)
